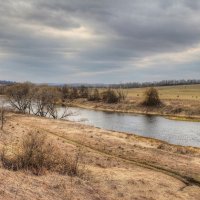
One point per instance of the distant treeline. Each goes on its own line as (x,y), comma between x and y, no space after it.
(135,84)
(6,82)
(153,84)
(122,85)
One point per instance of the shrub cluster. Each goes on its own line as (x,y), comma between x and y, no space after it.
(94,95)
(151,98)
(108,96)
(74,92)
(37,154)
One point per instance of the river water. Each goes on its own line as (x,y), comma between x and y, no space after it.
(175,132)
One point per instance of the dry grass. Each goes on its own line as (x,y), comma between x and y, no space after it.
(177,101)
(37,154)
(183,92)
(112,159)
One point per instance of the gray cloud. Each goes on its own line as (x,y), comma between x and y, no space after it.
(99,41)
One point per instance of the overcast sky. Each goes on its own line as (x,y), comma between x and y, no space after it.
(99,41)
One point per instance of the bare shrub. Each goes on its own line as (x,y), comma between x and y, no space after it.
(37,154)
(71,164)
(110,96)
(151,98)
(33,154)
(73,94)
(94,96)
(122,94)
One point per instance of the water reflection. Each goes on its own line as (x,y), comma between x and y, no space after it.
(176,132)
(149,119)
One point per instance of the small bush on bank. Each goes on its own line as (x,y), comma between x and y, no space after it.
(122,94)
(37,154)
(151,98)
(94,96)
(110,96)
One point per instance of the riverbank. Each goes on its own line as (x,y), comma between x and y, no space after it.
(131,166)
(183,110)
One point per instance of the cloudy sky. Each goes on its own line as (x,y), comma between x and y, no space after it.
(99,41)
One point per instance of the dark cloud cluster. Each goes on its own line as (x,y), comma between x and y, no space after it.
(99,41)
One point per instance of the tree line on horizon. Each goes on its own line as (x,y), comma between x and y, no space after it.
(156,83)
(122,85)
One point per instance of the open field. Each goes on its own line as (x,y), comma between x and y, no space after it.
(182,92)
(118,165)
(178,102)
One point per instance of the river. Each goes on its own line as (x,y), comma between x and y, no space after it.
(184,133)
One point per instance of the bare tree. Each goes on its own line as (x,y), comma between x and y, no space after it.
(19,96)
(44,100)
(45,103)
(39,100)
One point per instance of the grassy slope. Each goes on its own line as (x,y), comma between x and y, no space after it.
(120,166)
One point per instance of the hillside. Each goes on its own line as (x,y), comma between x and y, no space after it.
(116,165)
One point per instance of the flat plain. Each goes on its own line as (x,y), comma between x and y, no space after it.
(182,92)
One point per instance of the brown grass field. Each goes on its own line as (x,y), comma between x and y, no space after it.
(179,102)
(183,92)
(117,166)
